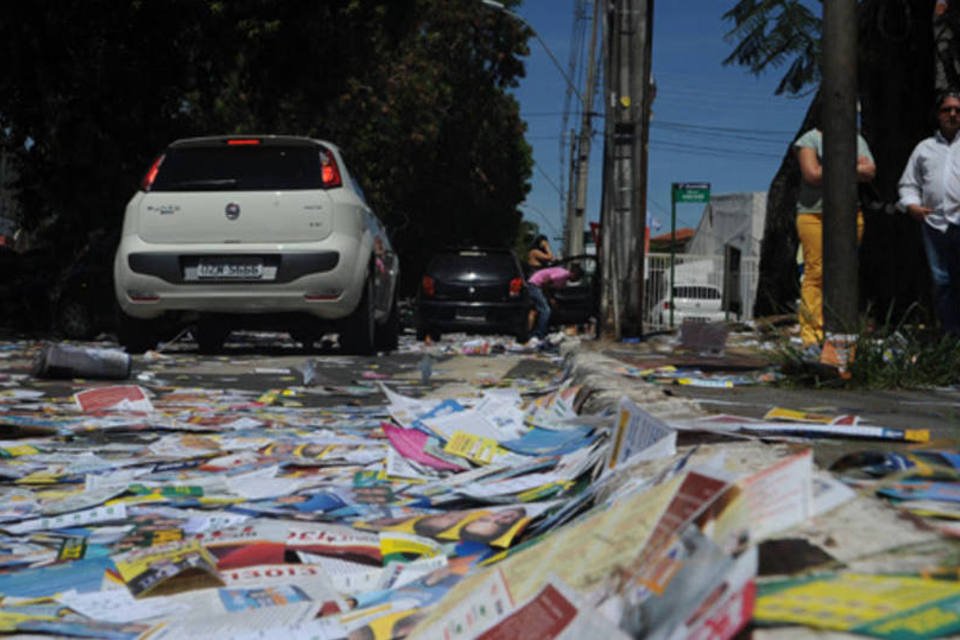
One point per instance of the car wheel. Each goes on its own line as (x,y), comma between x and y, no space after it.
(211,334)
(523,333)
(387,335)
(75,319)
(135,335)
(306,337)
(357,332)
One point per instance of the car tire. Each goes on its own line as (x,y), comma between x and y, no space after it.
(307,339)
(357,332)
(387,335)
(211,334)
(75,319)
(135,335)
(523,333)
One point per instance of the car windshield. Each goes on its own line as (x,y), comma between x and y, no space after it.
(240,168)
(474,264)
(697,292)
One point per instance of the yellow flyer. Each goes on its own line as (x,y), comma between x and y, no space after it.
(898,607)
(473,447)
(145,569)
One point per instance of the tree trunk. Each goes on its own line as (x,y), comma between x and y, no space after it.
(778,287)
(897,94)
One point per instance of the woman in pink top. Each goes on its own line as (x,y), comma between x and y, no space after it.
(543,280)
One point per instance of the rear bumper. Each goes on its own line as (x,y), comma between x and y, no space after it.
(286,267)
(693,316)
(473,317)
(151,280)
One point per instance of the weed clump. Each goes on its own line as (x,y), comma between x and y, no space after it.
(906,356)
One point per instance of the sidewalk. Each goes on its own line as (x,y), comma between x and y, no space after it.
(866,534)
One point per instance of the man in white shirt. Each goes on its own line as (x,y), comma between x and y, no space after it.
(930,193)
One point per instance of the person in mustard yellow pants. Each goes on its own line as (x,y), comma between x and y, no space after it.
(809,150)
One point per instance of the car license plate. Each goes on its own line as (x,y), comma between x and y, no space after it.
(473,315)
(230,269)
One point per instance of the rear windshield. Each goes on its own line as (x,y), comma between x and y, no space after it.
(699,293)
(484,265)
(239,168)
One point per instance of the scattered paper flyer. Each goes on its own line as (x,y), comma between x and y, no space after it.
(116,398)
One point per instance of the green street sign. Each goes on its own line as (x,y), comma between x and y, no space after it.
(691,192)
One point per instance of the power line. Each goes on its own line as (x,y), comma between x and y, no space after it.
(715,152)
(543,216)
(666,124)
(547,177)
(703,127)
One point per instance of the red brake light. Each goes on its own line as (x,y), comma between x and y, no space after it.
(151,175)
(428,286)
(516,286)
(329,171)
(666,304)
(239,142)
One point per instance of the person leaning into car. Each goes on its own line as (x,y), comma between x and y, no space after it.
(541,283)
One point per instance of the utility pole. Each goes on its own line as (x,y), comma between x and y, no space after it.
(575,214)
(571,196)
(839,117)
(629,93)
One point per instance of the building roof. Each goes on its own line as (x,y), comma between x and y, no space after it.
(683,235)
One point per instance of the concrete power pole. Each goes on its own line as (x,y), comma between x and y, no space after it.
(629,92)
(574,240)
(839,116)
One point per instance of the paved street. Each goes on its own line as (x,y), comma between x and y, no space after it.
(269,474)
(261,362)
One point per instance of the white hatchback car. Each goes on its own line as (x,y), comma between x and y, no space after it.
(694,302)
(253,232)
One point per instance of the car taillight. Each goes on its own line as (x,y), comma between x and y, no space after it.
(428,286)
(151,174)
(242,142)
(666,304)
(516,286)
(329,171)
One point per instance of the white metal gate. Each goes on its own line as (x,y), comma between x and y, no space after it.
(734,276)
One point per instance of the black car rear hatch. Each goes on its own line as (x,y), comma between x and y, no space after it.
(475,276)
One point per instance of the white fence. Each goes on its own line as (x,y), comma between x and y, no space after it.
(735,276)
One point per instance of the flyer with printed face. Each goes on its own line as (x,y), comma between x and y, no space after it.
(156,568)
(495,526)
(486,605)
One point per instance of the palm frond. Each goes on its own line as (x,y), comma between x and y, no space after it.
(773,33)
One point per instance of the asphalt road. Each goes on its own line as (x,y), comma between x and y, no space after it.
(267,362)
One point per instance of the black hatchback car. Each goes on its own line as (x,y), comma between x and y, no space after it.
(473,290)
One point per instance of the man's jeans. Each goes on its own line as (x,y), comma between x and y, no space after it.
(543,310)
(943,255)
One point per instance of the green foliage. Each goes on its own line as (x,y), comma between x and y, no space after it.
(774,33)
(525,234)
(413,91)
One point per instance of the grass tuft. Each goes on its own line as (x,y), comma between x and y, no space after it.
(904,356)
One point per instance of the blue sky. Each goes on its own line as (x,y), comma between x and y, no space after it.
(710,123)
